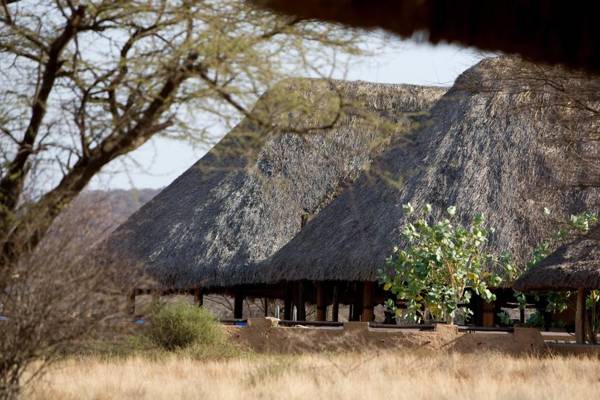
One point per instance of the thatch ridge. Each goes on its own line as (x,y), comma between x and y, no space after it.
(249,195)
(494,144)
(575,265)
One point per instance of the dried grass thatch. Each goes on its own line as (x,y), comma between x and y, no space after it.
(254,190)
(509,139)
(575,265)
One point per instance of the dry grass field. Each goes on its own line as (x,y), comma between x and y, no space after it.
(401,375)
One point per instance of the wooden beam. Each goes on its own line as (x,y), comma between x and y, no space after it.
(321,303)
(367,302)
(198,297)
(335,307)
(580,317)
(238,306)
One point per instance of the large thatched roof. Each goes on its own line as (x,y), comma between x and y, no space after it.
(509,139)
(572,266)
(254,190)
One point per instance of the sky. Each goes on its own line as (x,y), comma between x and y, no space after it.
(157,163)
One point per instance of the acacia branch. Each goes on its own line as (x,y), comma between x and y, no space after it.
(110,148)
(11,183)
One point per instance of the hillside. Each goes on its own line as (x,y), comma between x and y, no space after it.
(94,214)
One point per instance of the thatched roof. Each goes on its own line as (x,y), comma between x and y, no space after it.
(503,141)
(254,190)
(575,265)
(545,31)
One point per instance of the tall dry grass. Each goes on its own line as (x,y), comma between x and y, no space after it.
(408,375)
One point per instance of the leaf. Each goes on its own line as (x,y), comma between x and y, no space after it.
(479,219)
(408,209)
(451,211)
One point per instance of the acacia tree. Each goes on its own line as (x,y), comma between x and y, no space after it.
(441,262)
(84,83)
(87,82)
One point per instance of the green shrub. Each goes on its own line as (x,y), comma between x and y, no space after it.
(440,264)
(180,325)
(504,318)
(535,320)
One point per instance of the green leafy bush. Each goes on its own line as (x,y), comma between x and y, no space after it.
(180,325)
(440,265)
(504,318)
(535,320)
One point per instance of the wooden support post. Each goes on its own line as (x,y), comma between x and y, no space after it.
(497,308)
(300,303)
(320,301)
(266,306)
(335,307)
(477,309)
(156,295)
(488,314)
(580,317)
(198,297)
(367,302)
(590,318)
(357,306)
(287,303)
(522,315)
(238,306)
(131,303)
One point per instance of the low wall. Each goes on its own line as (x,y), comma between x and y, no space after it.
(265,335)
(574,349)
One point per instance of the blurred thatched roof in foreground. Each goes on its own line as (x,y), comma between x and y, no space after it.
(549,31)
(255,189)
(575,265)
(509,139)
